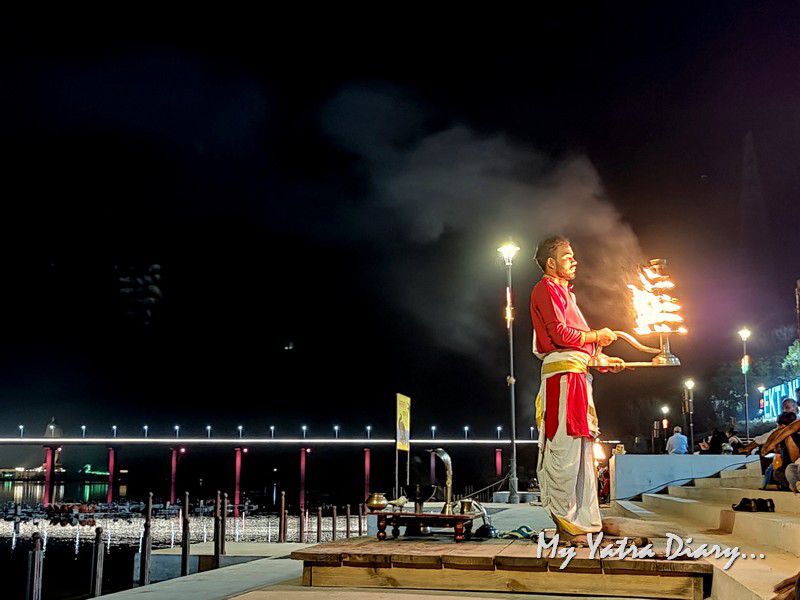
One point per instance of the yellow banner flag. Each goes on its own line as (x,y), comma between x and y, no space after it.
(403,433)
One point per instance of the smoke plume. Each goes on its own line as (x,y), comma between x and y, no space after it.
(453,195)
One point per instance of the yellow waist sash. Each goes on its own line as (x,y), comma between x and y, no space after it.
(561,365)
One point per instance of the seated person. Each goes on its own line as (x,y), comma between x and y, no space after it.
(788,405)
(786,453)
(734,440)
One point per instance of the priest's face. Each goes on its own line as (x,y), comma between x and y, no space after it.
(565,263)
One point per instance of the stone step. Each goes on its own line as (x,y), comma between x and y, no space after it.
(707,482)
(751,482)
(747,579)
(750,467)
(702,513)
(785,502)
(634,510)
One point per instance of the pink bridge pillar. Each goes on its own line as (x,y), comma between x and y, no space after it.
(433,468)
(303,452)
(48,475)
(110,492)
(498,461)
(174,477)
(237,496)
(366,473)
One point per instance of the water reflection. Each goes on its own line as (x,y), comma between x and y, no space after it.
(32,492)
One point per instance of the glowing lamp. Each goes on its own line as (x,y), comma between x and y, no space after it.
(665,409)
(745,364)
(599,453)
(508,252)
(689,383)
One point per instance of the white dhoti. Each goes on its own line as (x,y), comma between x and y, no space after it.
(566,471)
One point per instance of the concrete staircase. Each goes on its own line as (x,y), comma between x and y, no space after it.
(703,508)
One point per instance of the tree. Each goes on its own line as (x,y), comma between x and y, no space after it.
(727,385)
(791,362)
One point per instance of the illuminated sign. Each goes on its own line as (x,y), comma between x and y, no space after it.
(774,395)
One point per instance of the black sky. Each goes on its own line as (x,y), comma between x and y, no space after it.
(257,166)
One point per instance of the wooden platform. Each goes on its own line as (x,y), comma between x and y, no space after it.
(495,565)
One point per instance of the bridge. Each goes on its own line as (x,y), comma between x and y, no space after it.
(240,446)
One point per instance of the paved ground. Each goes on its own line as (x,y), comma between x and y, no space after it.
(279,578)
(272,550)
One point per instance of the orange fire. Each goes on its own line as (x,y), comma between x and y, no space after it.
(655,310)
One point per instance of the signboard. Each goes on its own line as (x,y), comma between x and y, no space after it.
(403,432)
(774,395)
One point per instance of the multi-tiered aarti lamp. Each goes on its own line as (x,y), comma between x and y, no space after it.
(656,312)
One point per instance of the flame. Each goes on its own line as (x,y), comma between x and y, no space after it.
(655,310)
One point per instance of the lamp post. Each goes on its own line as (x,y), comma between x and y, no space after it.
(272,432)
(466,432)
(433,432)
(145,428)
(114,431)
(83,431)
(240,429)
(208,431)
(688,395)
(336,432)
(304,428)
(664,421)
(508,251)
(177,431)
(531,431)
(499,429)
(369,430)
(744,333)
(22,431)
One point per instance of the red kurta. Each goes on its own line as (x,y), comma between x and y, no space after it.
(556,319)
(558,324)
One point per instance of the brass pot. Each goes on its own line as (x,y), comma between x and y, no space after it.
(377,501)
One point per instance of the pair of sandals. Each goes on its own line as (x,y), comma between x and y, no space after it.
(755,505)
(520,533)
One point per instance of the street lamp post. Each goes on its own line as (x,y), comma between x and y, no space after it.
(145,430)
(304,428)
(744,333)
(508,251)
(272,431)
(83,431)
(499,429)
(208,431)
(114,430)
(369,430)
(466,432)
(177,431)
(665,422)
(433,432)
(336,432)
(240,428)
(531,431)
(688,395)
(22,431)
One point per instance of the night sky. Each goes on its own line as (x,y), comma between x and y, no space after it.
(344,189)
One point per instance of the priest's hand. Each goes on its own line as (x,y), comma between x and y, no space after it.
(615,364)
(605,336)
(609,364)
